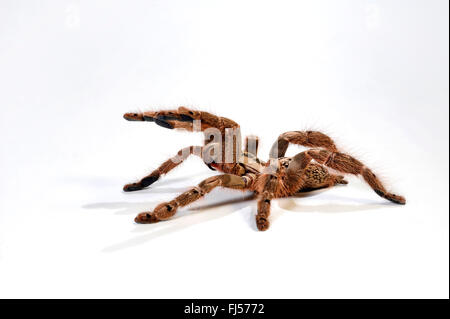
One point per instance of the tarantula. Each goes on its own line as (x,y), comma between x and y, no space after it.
(279,177)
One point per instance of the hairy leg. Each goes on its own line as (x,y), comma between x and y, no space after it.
(166,167)
(304,138)
(262,216)
(183,118)
(215,128)
(166,210)
(267,186)
(346,164)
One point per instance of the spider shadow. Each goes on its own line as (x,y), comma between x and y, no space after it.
(199,213)
(183,219)
(354,204)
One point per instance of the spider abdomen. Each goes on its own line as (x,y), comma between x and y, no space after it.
(315,174)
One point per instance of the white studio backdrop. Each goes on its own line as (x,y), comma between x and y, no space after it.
(372,74)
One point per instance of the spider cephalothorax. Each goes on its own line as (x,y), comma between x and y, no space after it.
(279,177)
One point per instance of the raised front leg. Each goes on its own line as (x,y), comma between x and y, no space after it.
(166,210)
(306,138)
(183,118)
(216,129)
(166,167)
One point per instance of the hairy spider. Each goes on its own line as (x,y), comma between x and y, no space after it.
(279,177)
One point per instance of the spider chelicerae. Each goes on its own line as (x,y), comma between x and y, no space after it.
(279,177)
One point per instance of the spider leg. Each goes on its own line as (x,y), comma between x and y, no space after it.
(347,164)
(164,168)
(183,118)
(166,210)
(215,128)
(262,215)
(267,191)
(304,138)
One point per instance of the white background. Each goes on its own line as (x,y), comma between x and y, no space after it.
(372,74)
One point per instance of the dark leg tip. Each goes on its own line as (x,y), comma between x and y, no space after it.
(186,118)
(163,123)
(132,187)
(149,180)
(133,117)
(380,193)
(167,118)
(396,199)
(392,197)
(146,218)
